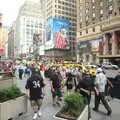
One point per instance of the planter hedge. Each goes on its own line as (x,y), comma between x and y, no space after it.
(9,93)
(73,106)
(12,103)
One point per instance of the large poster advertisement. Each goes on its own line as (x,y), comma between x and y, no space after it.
(61,34)
(57,34)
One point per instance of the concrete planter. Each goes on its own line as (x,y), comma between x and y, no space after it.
(13,108)
(7,82)
(83,115)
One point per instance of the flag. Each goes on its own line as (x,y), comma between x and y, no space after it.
(104,41)
(114,37)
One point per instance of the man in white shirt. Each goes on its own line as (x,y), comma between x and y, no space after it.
(100,83)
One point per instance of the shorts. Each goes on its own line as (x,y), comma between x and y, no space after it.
(36,104)
(57,92)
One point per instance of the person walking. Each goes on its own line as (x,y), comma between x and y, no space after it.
(34,91)
(56,88)
(100,82)
(69,82)
(21,71)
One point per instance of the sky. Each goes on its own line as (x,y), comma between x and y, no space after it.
(10,9)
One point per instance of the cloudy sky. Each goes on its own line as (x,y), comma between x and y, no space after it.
(10,9)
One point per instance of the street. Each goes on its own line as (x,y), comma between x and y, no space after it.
(48,110)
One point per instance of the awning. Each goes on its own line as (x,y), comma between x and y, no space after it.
(109,56)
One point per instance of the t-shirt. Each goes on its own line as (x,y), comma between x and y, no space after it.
(27,70)
(55,81)
(100,82)
(35,85)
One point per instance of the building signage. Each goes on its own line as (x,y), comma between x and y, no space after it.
(95,45)
(84,46)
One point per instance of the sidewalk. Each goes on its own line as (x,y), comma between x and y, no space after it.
(48,110)
(101,114)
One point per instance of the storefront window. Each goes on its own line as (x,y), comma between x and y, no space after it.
(94,57)
(87,58)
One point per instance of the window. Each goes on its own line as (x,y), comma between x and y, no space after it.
(86,11)
(80,33)
(101,11)
(86,30)
(93,14)
(93,29)
(101,3)
(80,25)
(86,18)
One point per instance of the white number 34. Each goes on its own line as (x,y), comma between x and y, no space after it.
(36,84)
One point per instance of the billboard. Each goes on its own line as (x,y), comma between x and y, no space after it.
(57,33)
(49,43)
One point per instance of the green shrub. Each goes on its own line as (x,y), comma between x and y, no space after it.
(9,93)
(74,104)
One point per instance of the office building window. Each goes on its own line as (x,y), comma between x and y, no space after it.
(86,18)
(93,29)
(86,30)
(80,25)
(101,3)
(86,11)
(101,12)
(93,1)
(80,33)
(94,15)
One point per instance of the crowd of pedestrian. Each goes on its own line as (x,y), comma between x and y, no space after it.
(62,80)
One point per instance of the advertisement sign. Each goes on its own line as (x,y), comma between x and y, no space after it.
(37,37)
(61,34)
(84,46)
(57,34)
(95,45)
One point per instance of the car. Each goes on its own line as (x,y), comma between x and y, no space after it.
(109,66)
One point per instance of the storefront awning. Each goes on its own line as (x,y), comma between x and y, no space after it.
(110,56)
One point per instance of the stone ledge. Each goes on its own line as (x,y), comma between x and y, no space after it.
(83,115)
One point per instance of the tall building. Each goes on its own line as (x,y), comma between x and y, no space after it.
(64,10)
(1,36)
(29,22)
(5,41)
(98,27)
(12,51)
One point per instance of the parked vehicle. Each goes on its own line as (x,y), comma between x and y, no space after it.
(109,66)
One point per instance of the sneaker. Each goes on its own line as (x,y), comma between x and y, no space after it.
(35,116)
(109,113)
(58,103)
(39,113)
(94,109)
